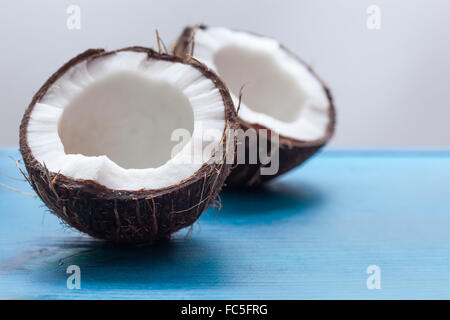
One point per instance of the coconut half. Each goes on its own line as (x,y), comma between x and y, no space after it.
(98,143)
(281,95)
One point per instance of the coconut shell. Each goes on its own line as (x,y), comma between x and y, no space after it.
(292,152)
(123,216)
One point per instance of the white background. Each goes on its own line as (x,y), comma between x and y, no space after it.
(391,86)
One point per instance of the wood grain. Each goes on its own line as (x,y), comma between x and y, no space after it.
(311,234)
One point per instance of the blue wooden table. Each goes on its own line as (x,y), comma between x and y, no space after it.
(311,234)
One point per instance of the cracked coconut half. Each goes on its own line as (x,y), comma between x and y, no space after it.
(97,142)
(280,94)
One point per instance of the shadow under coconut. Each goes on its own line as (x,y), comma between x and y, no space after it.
(274,201)
(177,263)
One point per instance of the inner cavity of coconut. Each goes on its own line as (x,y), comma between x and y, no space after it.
(127,122)
(280,92)
(268,89)
(128,118)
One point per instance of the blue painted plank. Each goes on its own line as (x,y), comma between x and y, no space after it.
(310,234)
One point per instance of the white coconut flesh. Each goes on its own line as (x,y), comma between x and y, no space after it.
(111,120)
(280,93)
